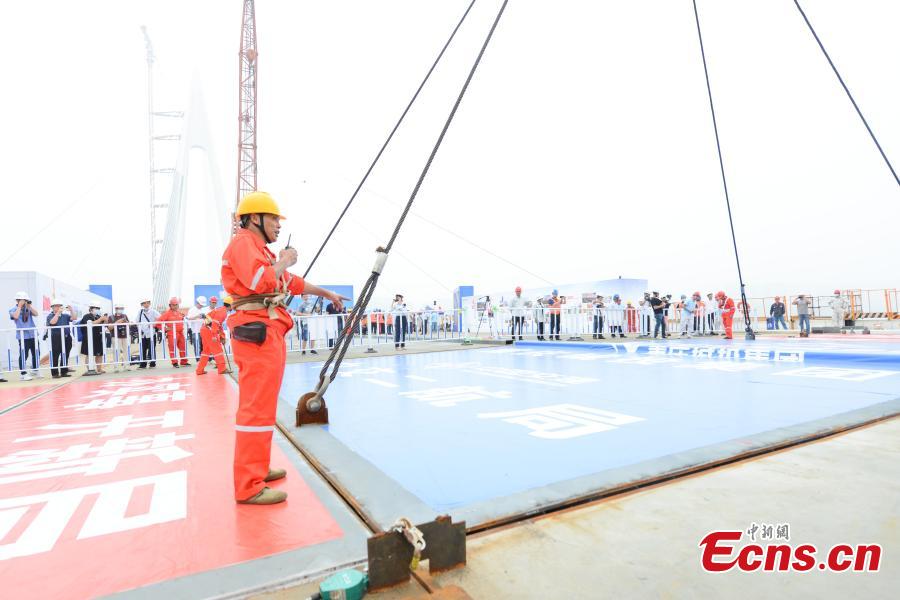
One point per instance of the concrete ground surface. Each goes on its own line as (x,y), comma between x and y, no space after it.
(843,489)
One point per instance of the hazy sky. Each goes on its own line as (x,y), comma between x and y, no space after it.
(583,149)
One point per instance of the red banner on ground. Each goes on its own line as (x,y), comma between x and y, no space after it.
(109,485)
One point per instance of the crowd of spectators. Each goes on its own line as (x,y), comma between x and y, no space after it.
(100,334)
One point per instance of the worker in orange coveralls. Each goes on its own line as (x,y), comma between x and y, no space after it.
(260,285)
(726,304)
(173,326)
(211,336)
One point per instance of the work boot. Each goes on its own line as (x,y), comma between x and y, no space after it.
(266,496)
(275,474)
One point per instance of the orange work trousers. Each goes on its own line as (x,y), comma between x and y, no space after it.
(727,321)
(261,371)
(212,350)
(171,341)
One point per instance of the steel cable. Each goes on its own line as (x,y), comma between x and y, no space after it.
(346,336)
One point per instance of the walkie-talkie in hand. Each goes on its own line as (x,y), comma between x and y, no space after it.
(290,297)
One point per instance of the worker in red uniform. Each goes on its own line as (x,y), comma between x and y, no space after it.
(726,305)
(219,314)
(260,284)
(173,327)
(211,336)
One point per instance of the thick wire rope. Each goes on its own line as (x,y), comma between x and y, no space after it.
(389,138)
(355,317)
(849,95)
(747,328)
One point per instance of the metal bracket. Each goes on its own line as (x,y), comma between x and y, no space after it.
(305,416)
(390,553)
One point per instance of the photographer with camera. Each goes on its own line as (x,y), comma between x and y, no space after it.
(23,314)
(92,340)
(119,330)
(60,339)
(659,314)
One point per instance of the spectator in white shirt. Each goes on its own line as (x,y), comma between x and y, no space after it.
(401,321)
(195,321)
(147,334)
(517,312)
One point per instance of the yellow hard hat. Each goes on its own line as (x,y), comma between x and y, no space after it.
(227,300)
(258,202)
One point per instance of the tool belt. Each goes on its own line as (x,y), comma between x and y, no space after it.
(268,301)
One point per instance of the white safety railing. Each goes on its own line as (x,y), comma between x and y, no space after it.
(60,349)
(572,323)
(318,332)
(132,345)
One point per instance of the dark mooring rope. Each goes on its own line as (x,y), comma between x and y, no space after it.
(356,314)
(389,138)
(849,95)
(747,328)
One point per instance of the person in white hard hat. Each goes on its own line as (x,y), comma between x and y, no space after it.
(23,314)
(195,321)
(148,333)
(58,322)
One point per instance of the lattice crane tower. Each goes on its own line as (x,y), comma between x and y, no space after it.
(246,175)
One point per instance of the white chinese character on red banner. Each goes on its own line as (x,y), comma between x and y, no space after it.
(85,459)
(451,396)
(130,400)
(563,421)
(115,427)
(109,513)
(129,393)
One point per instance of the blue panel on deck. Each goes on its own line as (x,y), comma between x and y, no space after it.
(454,428)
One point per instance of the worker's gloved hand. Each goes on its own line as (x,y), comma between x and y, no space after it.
(289,255)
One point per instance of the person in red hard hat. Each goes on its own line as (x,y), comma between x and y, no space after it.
(211,336)
(173,327)
(517,312)
(726,304)
(260,284)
